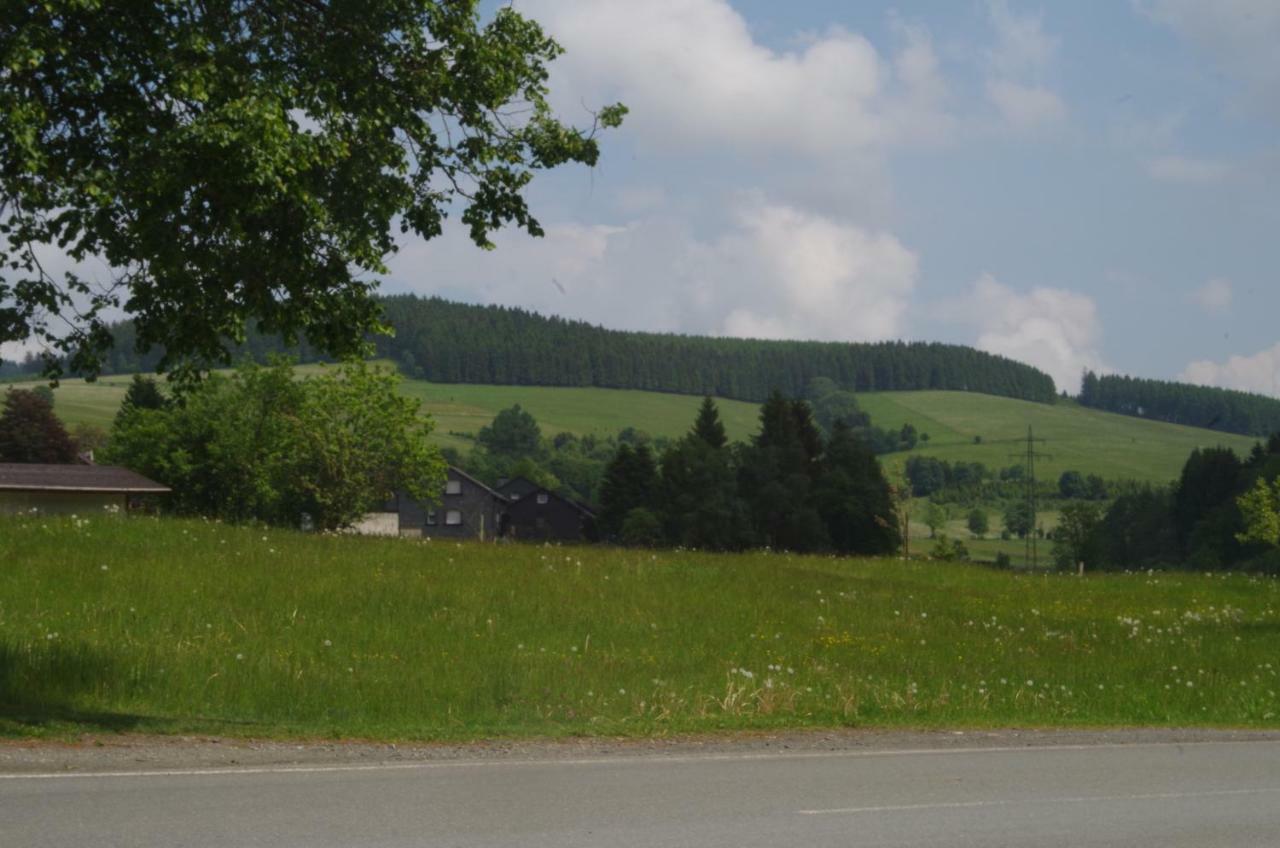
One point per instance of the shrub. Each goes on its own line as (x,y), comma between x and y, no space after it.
(641,528)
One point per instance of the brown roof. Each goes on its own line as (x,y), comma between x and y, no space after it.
(35,477)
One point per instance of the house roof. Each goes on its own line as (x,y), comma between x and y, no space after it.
(536,489)
(38,477)
(453,469)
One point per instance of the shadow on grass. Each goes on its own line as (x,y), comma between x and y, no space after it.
(41,686)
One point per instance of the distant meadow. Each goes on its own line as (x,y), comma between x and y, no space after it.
(165,625)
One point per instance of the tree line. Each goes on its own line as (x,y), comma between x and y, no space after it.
(790,488)
(1226,410)
(1220,514)
(448,342)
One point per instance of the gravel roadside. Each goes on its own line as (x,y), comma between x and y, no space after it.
(123,753)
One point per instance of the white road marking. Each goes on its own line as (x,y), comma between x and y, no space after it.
(639,759)
(1008,802)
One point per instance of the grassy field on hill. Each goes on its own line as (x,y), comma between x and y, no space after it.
(187,626)
(1087,440)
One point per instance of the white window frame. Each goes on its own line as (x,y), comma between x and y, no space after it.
(431,518)
(543,497)
(453,487)
(453,517)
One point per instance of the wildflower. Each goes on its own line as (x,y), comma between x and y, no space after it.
(328,643)
(239,656)
(104,568)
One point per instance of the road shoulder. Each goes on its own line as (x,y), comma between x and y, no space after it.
(125,753)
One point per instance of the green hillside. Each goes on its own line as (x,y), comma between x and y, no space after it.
(1088,440)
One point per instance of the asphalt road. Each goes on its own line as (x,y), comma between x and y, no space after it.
(1167,795)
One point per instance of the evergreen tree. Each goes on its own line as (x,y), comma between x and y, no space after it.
(143,393)
(630,482)
(1205,516)
(854,499)
(708,427)
(30,432)
(700,504)
(776,477)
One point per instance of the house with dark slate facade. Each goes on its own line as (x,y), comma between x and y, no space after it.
(535,513)
(467,509)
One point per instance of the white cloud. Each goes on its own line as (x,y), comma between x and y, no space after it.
(1257,373)
(1022,47)
(1057,331)
(1025,107)
(694,76)
(1021,54)
(817,278)
(1240,35)
(1188,170)
(1214,296)
(774,271)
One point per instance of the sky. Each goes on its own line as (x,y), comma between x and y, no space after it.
(1074,185)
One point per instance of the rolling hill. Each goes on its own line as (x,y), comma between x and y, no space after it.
(1087,440)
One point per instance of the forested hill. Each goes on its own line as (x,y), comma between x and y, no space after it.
(447,342)
(1182,403)
(455,343)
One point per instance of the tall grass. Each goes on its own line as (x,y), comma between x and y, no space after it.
(178,626)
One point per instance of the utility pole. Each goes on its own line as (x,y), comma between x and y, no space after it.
(1030,457)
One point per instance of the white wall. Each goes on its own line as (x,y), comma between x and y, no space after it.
(378,524)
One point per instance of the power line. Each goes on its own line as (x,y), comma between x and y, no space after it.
(1030,457)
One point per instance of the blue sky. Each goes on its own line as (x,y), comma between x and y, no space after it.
(1071,184)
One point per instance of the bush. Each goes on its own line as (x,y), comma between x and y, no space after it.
(263,446)
(641,529)
(1003,560)
(949,550)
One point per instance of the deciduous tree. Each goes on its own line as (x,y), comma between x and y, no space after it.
(241,162)
(31,432)
(262,445)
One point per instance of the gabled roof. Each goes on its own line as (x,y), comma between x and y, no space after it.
(39,477)
(453,469)
(507,487)
(543,490)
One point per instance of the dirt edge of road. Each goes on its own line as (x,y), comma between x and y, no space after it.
(122,753)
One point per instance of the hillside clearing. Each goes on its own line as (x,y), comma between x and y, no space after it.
(1086,440)
(186,626)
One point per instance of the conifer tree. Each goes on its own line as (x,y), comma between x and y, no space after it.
(630,482)
(854,498)
(708,427)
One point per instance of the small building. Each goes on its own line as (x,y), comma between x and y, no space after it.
(467,509)
(535,513)
(65,489)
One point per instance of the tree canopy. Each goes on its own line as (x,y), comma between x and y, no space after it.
(241,163)
(31,432)
(262,445)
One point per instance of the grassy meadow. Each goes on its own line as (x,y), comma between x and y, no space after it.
(1086,440)
(165,625)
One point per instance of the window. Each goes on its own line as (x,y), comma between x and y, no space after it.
(453,487)
(453,516)
(431,517)
(542,497)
